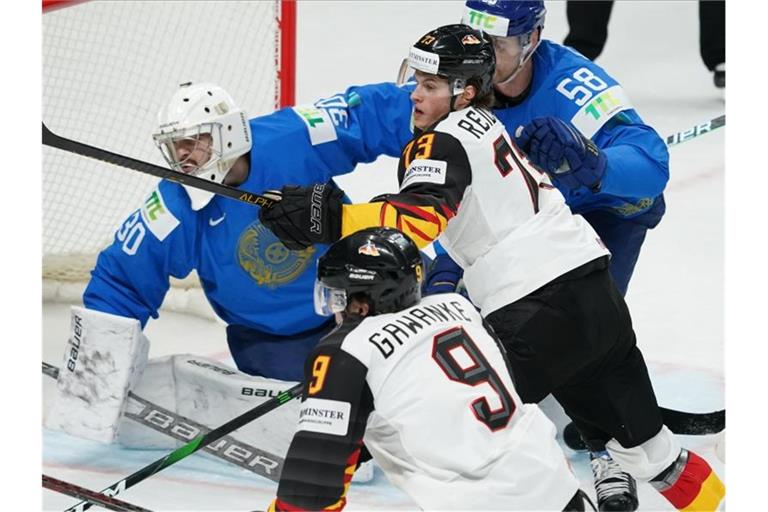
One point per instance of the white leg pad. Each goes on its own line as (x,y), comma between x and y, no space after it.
(211,393)
(646,461)
(103,359)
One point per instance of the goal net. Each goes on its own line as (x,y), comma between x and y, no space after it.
(108,67)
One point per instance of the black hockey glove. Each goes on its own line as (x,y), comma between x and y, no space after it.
(305,215)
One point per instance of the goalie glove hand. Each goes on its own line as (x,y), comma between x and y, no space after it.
(305,216)
(571,159)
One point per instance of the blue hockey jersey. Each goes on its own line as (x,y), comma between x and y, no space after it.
(248,276)
(572,88)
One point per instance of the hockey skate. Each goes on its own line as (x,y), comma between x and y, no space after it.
(616,490)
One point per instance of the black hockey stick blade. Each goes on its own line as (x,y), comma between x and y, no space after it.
(693,424)
(79,148)
(679,422)
(181,428)
(195,445)
(94,497)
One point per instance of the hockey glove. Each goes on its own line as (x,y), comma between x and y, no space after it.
(305,215)
(443,275)
(571,159)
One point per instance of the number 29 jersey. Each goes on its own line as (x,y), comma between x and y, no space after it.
(443,419)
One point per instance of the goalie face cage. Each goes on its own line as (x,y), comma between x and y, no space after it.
(108,67)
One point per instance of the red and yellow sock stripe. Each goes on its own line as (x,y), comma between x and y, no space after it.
(697,489)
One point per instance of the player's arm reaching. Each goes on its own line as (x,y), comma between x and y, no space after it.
(434,172)
(314,142)
(332,418)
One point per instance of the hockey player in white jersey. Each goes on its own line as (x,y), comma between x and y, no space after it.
(432,386)
(538,272)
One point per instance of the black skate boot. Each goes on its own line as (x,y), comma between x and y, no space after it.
(616,490)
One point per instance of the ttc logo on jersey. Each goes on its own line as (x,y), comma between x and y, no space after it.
(267,260)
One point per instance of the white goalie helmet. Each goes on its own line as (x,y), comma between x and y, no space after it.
(202,132)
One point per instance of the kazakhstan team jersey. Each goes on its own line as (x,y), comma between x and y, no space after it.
(247,275)
(250,279)
(572,88)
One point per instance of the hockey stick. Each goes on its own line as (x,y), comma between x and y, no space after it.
(196,444)
(82,493)
(679,422)
(699,129)
(56,141)
(185,430)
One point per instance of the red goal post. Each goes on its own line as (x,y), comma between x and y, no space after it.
(107,69)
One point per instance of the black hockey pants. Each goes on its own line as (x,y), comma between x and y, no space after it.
(573,338)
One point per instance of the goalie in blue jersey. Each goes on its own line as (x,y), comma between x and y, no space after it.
(259,288)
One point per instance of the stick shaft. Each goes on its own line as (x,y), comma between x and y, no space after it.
(695,131)
(195,445)
(59,142)
(82,493)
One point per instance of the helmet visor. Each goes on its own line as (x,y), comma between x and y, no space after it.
(329,300)
(511,55)
(432,85)
(190,150)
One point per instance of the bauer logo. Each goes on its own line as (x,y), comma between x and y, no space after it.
(319,125)
(74,341)
(424,171)
(157,217)
(324,416)
(228,448)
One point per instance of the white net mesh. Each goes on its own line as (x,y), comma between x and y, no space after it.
(108,67)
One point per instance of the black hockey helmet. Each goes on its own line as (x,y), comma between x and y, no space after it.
(381,263)
(456,52)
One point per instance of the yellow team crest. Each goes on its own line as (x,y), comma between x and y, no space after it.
(264,257)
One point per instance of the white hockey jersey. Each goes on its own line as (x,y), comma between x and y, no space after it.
(443,419)
(513,232)
(499,217)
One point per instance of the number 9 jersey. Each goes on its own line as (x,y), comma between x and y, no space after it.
(431,391)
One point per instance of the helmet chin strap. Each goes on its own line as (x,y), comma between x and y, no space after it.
(457,91)
(453,102)
(524,58)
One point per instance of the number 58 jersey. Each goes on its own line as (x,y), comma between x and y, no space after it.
(431,389)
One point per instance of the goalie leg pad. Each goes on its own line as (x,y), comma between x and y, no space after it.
(209,393)
(104,358)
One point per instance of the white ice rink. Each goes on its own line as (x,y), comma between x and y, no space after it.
(676,295)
